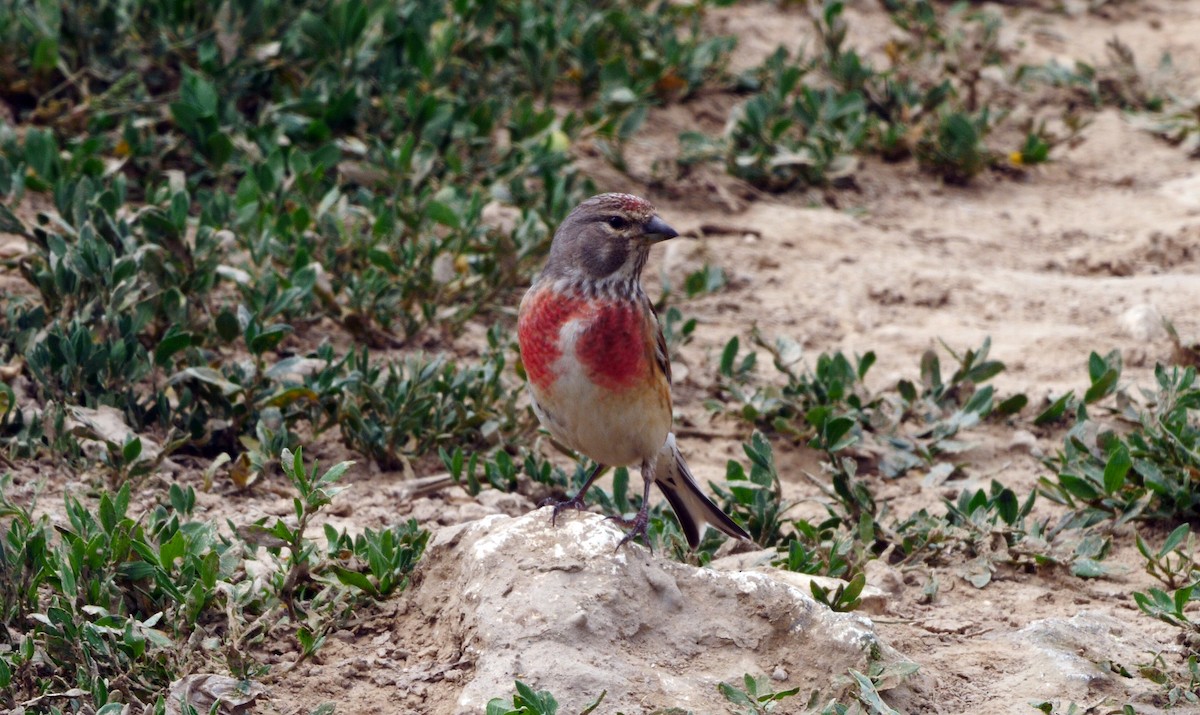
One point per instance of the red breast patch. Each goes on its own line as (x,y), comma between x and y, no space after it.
(610,346)
(538,328)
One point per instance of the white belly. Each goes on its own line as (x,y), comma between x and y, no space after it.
(618,429)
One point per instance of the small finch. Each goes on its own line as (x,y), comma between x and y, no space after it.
(599,374)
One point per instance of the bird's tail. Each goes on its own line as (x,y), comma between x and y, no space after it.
(692,507)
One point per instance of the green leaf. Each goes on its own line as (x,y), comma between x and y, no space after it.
(45,55)
(1054,412)
(174,341)
(108,514)
(131,451)
(1115,470)
(335,472)
(269,338)
(355,579)
(171,550)
(1096,366)
(1102,388)
(984,371)
(735,696)
(1078,487)
(540,703)
(227,326)
(728,355)
(1175,538)
(1182,596)
(219,148)
(442,214)
(980,402)
(1007,506)
(865,363)
(854,588)
(1012,405)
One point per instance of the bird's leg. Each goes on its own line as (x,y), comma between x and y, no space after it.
(638,524)
(575,502)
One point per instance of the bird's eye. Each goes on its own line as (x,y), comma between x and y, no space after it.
(618,222)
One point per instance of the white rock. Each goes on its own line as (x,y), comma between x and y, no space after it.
(1024,441)
(563,610)
(1143,323)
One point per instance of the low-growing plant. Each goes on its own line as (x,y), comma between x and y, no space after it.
(954,149)
(117,593)
(1174,563)
(915,426)
(1171,608)
(1178,123)
(755,499)
(756,696)
(808,115)
(844,597)
(1178,688)
(411,406)
(1146,473)
(527,701)
(384,559)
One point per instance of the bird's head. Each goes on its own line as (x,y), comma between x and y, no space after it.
(604,242)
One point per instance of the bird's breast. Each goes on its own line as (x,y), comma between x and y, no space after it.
(604,339)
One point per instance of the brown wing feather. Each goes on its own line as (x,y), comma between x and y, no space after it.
(660,345)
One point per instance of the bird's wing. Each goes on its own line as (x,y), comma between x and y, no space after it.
(661,356)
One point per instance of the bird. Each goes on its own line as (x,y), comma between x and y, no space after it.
(596,362)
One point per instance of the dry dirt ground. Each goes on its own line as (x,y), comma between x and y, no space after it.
(1069,257)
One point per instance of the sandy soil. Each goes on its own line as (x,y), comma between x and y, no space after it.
(1051,264)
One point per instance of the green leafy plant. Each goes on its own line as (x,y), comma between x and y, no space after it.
(1169,607)
(1179,689)
(755,499)
(120,594)
(1174,563)
(755,696)
(915,426)
(1144,474)
(808,115)
(412,406)
(843,598)
(527,701)
(313,493)
(388,557)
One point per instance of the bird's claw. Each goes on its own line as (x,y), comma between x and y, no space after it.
(637,528)
(573,503)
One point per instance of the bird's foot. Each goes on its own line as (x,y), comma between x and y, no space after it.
(637,528)
(575,502)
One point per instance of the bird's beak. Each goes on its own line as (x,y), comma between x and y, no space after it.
(656,230)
